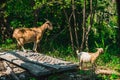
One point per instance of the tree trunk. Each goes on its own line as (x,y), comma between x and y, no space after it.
(89,27)
(75,26)
(70,29)
(36,12)
(83,26)
(118,11)
(5,29)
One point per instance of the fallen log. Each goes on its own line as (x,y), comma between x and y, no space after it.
(37,64)
(32,68)
(43,60)
(107,72)
(102,70)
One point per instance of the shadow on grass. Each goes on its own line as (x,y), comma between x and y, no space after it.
(76,75)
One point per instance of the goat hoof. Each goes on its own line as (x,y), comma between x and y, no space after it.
(25,51)
(34,51)
(80,68)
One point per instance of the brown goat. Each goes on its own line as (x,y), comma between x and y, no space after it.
(27,35)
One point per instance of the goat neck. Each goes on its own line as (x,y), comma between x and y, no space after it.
(43,27)
(96,54)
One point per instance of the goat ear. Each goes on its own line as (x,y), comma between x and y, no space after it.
(101,50)
(48,22)
(97,48)
(46,19)
(77,51)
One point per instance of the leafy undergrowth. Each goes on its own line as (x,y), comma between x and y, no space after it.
(82,75)
(109,61)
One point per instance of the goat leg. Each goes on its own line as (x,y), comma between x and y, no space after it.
(81,63)
(95,65)
(79,59)
(35,47)
(23,49)
(20,44)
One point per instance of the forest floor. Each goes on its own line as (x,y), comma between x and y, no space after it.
(17,73)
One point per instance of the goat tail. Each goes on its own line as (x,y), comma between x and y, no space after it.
(79,58)
(13,35)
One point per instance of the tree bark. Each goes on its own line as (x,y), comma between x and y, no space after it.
(118,11)
(70,29)
(75,26)
(83,26)
(89,27)
(5,29)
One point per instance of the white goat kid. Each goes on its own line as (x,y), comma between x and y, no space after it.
(88,57)
(27,35)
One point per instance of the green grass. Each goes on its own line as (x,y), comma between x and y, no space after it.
(110,61)
(8,46)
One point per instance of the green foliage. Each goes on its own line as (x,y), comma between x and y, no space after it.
(38,4)
(8,46)
(8,41)
(110,77)
(66,53)
(82,72)
(113,76)
(109,60)
(102,45)
(32,78)
(19,12)
(16,24)
(54,77)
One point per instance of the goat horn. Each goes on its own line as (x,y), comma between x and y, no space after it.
(46,19)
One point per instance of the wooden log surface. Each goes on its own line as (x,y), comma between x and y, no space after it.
(44,60)
(27,57)
(37,64)
(32,68)
(107,72)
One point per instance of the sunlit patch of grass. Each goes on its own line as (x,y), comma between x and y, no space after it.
(109,61)
(32,78)
(8,46)
(109,77)
(57,54)
(64,53)
(114,63)
(71,58)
